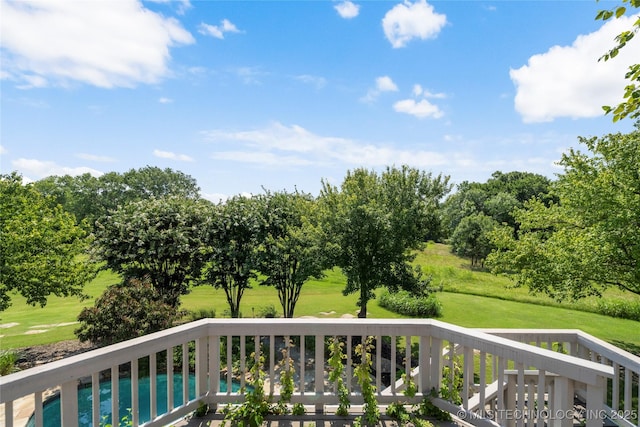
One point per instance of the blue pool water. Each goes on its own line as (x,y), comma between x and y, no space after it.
(51,409)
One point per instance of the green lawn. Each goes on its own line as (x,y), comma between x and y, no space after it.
(471,298)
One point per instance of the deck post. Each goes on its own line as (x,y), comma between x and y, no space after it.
(69,404)
(201,366)
(595,405)
(319,374)
(435,366)
(562,414)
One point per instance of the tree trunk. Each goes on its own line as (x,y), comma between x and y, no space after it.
(362,314)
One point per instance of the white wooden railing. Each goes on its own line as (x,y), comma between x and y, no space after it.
(623,388)
(505,379)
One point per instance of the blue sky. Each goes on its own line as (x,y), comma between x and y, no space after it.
(281,94)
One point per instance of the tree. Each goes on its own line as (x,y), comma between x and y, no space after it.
(375,222)
(152,181)
(630,107)
(476,209)
(471,238)
(521,185)
(41,248)
(231,239)
(290,249)
(125,311)
(161,239)
(500,206)
(468,200)
(80,195)
(589,240)
(90,198)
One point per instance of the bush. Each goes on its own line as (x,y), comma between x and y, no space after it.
(8,360)
(268,311)
(124,311)
(202,313)
(407,304)
(620,309)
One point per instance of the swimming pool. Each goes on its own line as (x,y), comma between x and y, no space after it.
(51,407)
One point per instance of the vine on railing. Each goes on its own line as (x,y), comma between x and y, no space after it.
(362,373)
(335,376)
(256,405)
(287,386)
(399,412)
(451,389)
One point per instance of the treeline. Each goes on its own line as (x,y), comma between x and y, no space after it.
(570,237)
(162,238)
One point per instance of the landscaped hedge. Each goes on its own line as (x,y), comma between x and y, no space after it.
(620,309)
(408,304)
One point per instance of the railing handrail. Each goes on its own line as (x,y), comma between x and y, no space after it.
(603,348)
(52,374)
(40,378)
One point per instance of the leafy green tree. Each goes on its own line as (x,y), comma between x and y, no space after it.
(375,222)
(125,311)
(469,199)
(41,248)
(477,208)
(589,240)
(161,239)
(290,249)
(630,107)
(231,239)
(152,181)
(80,195)
(90,198)
(521,185)
(500,206)
(471,238)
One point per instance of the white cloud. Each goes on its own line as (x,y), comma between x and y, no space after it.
(347,9)
(318,82)
(3,150)
(105,44)
(278,145)
(164,100)
(407,21)
(183,5)
(95,158)
(420,109)
(172,156)
(250,75)
(568,81)
(383,84)
(41,169)
(218,31)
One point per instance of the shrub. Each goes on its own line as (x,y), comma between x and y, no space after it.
(620,309)
(202,313)
(407,304)
(124,311)
(8,360)
(268,311)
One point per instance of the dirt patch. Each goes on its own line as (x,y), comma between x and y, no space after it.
(41,354)
(8,325)
(53,325)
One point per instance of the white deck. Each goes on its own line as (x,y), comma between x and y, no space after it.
(505,373)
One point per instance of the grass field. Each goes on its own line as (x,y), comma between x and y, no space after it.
(470,298)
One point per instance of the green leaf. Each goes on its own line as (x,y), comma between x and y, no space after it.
(620,11)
